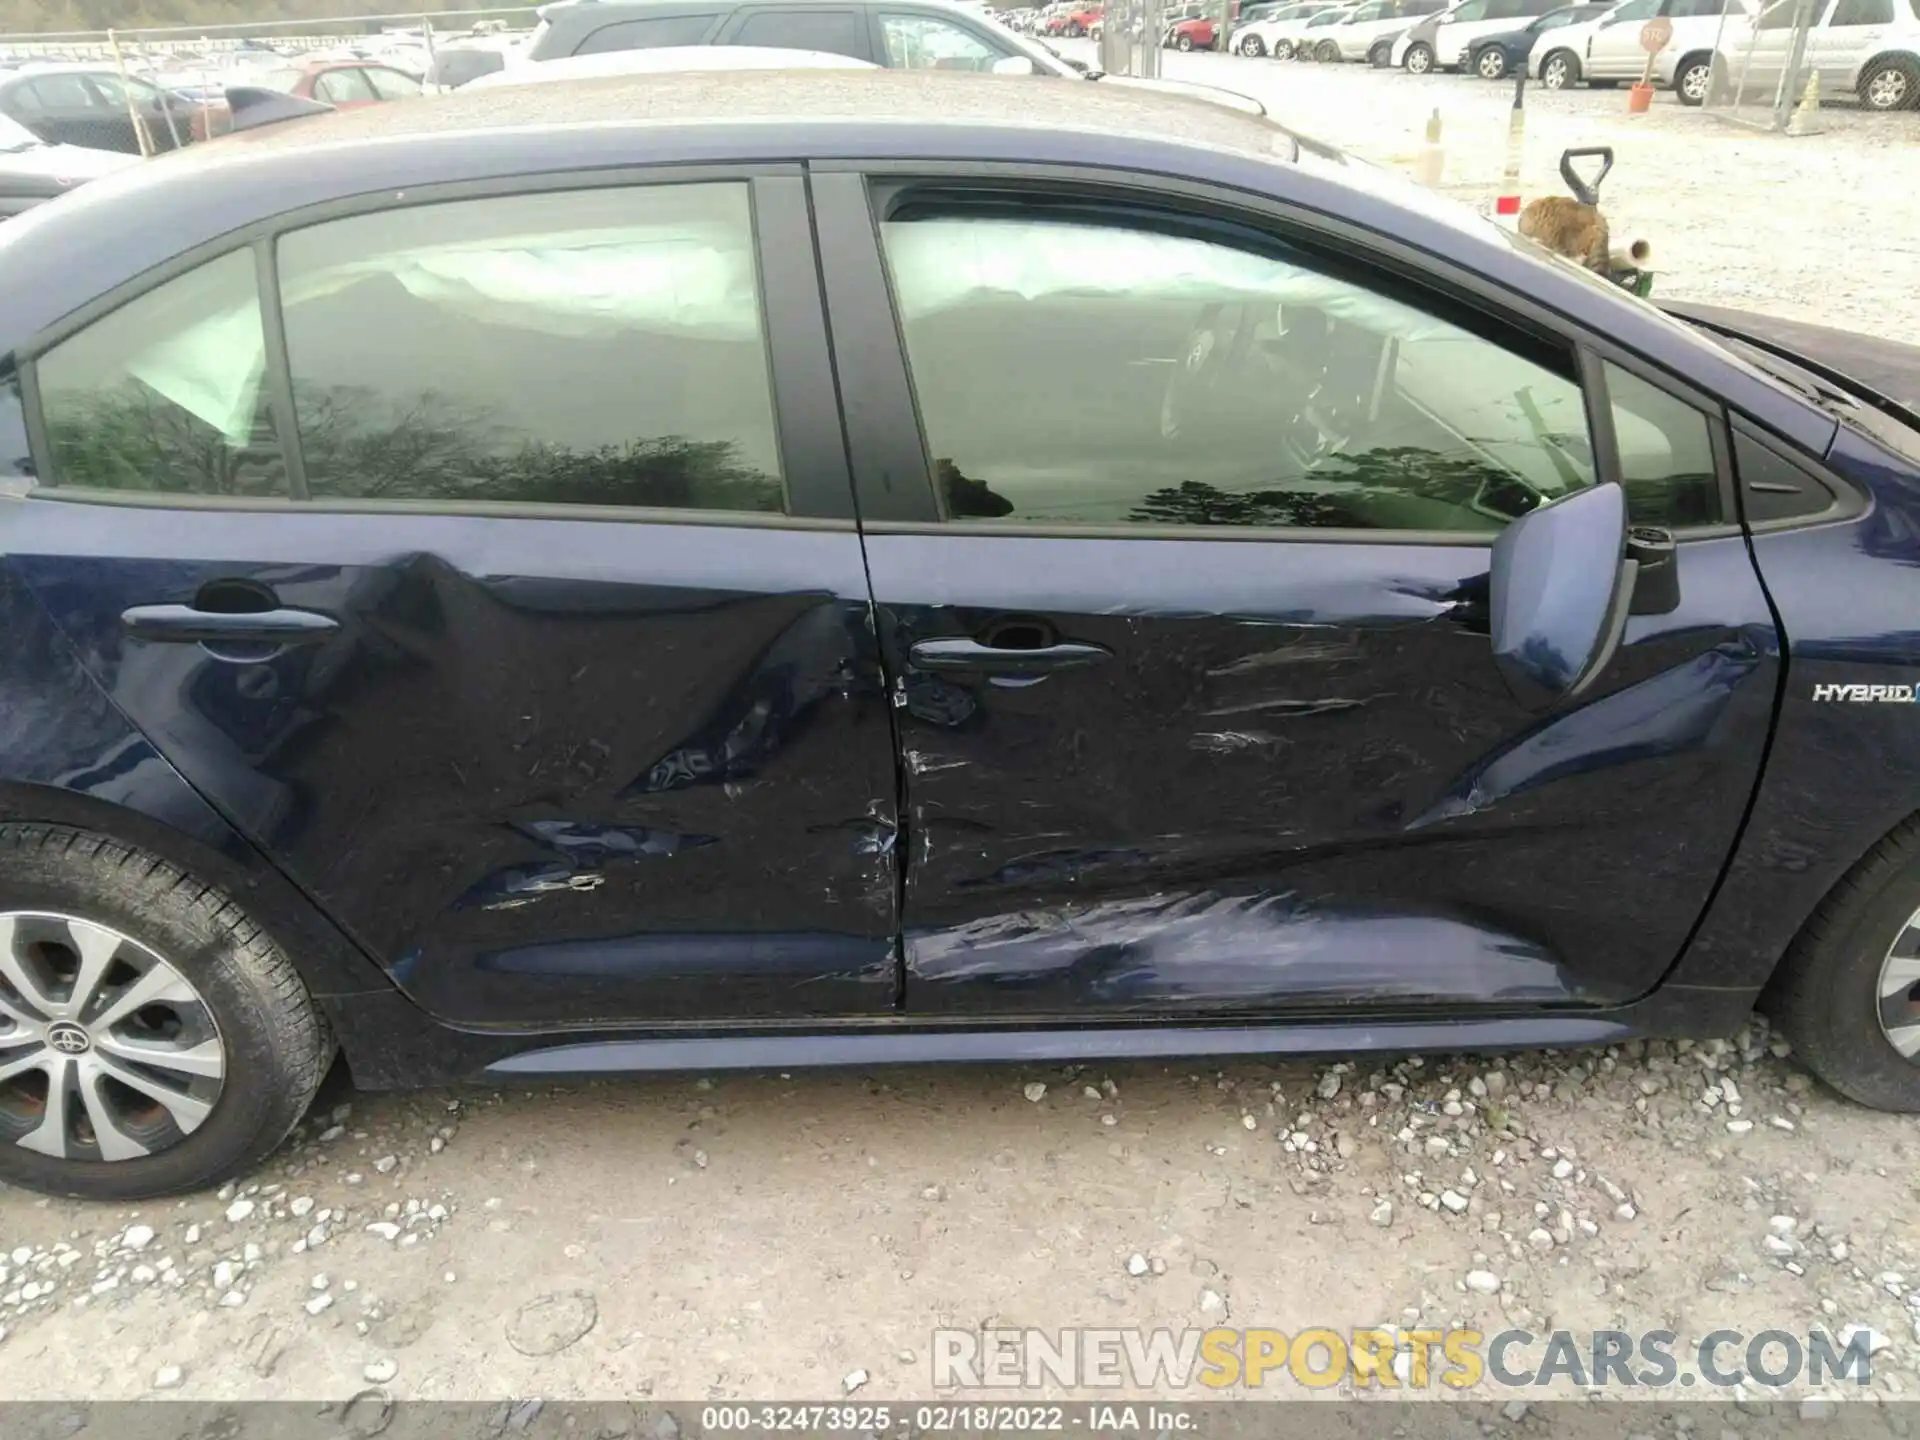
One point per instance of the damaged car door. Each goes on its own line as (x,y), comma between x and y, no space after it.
(1198,706)
(460,554)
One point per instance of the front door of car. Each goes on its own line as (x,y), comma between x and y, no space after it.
(1615,53)
(543,661)
(1186,618)
(67,111)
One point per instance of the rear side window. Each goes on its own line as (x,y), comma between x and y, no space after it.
(167,394)
(926,42)
(1862,12)
(650,34)
(838,32)
(61,92)
(597,347)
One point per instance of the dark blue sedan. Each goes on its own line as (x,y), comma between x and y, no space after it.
(592,580)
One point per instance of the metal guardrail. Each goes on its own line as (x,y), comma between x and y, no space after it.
(232,38)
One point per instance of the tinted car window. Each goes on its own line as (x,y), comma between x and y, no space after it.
(1862,12)
(601,347)
(647,34)
(167,393)
(839,32)
(1211,386)
(926,42)
(1472,10)
(1666,455)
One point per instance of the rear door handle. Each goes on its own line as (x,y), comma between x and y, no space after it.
(991,660)
(184,625)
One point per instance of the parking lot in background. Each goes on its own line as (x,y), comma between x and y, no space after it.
(1823,227)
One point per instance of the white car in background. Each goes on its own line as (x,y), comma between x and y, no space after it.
(1471,20)
(1276,34)
(1870,48)
(1375,23)
(1306,45)
(1607,50)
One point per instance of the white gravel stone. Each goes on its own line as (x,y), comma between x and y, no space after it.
(385,1229)
(319,1304)
(1382,1214)
(300,1206)
(240,1210)
(168,1377)
(853,1381)
(1137,1265)
(137,1237)
(1483,1282)
(380,1371)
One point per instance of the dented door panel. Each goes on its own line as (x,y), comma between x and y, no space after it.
(549,771)
(1299,781)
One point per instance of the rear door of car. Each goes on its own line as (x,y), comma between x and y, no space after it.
(835,29)
(1852,32)
(1178,513)
(489,559)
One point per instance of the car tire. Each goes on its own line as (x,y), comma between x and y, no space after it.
(230,1046)
(1491,63)
(1419,59)
(1560,70)
(1892,84)
(1326,52)
(1252,47)
(1184,42)
(1283,49)
(1842,997)
(1381,55)
(1693,79)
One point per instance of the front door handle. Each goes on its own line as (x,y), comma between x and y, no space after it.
(184,625)
(992,660)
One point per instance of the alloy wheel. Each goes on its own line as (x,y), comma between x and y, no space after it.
(1888,89)
(1694,82)
(1252,46)
(1556,74)
(1419,60)
(1493,63)
(1283,49)
(107,1051)
(1899,991)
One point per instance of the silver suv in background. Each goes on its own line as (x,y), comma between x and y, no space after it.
(1870,48)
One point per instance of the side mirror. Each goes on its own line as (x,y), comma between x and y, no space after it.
(1013,65)
(1558,594)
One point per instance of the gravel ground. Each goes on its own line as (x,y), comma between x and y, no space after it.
(1824,227)
(687,1238)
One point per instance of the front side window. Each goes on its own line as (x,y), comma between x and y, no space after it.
(838,32)
(1666,455)
(1778,15)
(926,42)
(1071,372)
(662,30)
(598,347)
(1472,10)
(167,393)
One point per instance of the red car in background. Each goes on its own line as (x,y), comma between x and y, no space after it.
(343,84)
(1196,32)
(1082,21)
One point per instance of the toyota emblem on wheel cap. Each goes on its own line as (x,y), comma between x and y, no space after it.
(68,1039)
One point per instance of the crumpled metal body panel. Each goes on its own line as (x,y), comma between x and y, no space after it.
(547,797)
(1302,782)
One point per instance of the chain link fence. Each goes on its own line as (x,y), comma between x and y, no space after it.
(1762,64)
